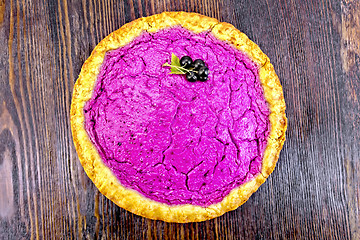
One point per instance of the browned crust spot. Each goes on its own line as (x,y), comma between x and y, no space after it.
(102,176)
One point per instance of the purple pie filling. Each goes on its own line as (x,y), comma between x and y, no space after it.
(174,141)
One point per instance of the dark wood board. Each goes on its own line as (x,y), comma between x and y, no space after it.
(314,192)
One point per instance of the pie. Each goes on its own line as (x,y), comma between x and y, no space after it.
(165,148)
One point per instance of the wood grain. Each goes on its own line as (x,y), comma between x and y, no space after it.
(314,193)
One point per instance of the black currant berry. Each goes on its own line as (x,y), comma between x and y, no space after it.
(192,76)
(186,62)
(197,64)
(203,78)
(203,71)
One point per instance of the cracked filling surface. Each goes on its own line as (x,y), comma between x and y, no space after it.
(171,140)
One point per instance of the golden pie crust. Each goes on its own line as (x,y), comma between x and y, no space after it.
(131,200)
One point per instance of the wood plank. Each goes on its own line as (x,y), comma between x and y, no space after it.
(314,192)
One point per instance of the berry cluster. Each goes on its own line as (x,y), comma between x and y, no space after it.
(197,69)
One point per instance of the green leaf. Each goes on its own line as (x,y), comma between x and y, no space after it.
(176,70)
(175,61)
(175,67)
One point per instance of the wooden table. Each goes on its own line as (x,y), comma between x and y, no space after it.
(314,192)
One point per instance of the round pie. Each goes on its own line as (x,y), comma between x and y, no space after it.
(166,148)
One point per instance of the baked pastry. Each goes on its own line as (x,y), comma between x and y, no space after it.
(166,148)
